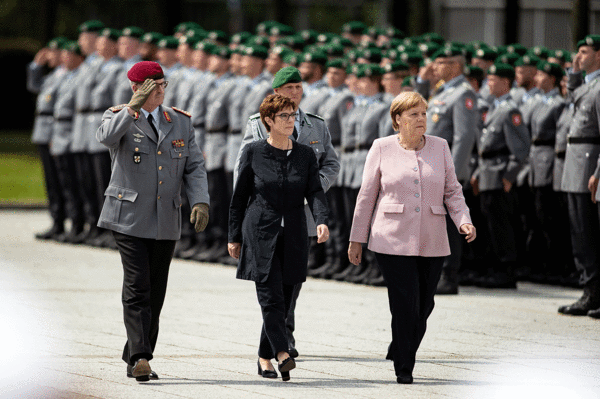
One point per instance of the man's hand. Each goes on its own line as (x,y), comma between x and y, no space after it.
(141,95)
(593,187)
(41,58)
(199,217)
(576,63)
(475,185)
(506,185)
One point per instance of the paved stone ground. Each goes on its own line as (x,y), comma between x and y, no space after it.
(62,334)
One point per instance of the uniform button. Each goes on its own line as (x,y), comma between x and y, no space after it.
(418,209)
(416,181)
(120,195)
(159,153)
(137,149)
(179,155)
(415,168)
(159,197)
(417,195)
(160,182)
(160,168)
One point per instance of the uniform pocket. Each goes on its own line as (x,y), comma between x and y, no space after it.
(119,205)
(392,208)
(139,157)
(438,210)
(178,158)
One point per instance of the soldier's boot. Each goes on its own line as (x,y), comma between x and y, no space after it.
(448,284)
(349,271)
(330,260)
(316,254)
(376,278)
(589,301)
(69,236)
(91,231)
(361,278)
(53,232)
(341,264)
(595,314)
(183,245)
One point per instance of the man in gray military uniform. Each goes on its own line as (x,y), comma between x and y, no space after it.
(311,130)
(452,115)
(503,149)
(583,149)
(153,154)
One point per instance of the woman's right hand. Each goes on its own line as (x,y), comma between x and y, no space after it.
(355,252)
(234,249)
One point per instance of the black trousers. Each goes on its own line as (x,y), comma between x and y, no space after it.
(585,235)
(65,165)
(219,206)
(102,171)
(411,282)
(497,208)
(86,183)
(553,249)
(274,298)
(145,272)
(56,201)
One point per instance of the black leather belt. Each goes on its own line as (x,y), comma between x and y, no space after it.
(561,154)
(348,149)
(221,130)
(63,119)
(84,111)
(540,142)
(363,146)
(494,154)
(335,143)
(235,132)
(200,125)
(583,140)
(44,114)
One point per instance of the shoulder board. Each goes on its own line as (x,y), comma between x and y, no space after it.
(117,108)
(182,112)
(315,116)
(255,116)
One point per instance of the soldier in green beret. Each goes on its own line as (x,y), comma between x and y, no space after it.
(392,79)
(129,51)
(182,28)
(149,45)
(370,55)
(561,57)
(167,56)
(312,71)
(354,31)
(239,39)
(474,76)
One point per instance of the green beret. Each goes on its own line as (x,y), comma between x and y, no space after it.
(342,41)
(152,37)
(551,69)
(325,37)
(73,47)
(501,49)
(257,51)
(281,51)
(291,59)
(448,51)
(408,48)
(169,42)
(339,63)
(395,67)
(354,27)
(352,55)
(295,42)
(516,48)
(428,48)
(562,55)
(477,44)
(527,60)
(57,43)
(133,31)
(263,27)
(540,52)
(205,46)
(185,26)
(374,31)
(112,34)
(590,40)
(334,50)
(390,43)
(507,58)
(190,40)
(198,34)
(240,37)
(433,37)
(371,54)
(316,57)
(218,36)
(368,70)
(502,70)
(407,82)
(411,57)
(472,71)
(392,32)
(487,54)
(220,51)
(91,26)
(259,41)
(309,35)
(391,54)
(286,75)
(281,30)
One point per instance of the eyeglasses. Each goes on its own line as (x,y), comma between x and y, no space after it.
(286,116)
(163,84)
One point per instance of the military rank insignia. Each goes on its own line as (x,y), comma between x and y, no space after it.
(178,143)
(314,142)
(516,120)
(136,115)
(167,117)
(137,157)
(469,104)
(435,118)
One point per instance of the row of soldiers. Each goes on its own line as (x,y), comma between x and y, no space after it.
(506,109)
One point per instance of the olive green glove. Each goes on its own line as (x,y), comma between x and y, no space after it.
(141,95)
(199,217)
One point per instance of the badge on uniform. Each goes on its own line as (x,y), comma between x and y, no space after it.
(137,157)
(314,142)
(469,104)
(435,118)
(178,143)
(516,120)
(167,117)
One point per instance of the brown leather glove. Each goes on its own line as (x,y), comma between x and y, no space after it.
(199,217)
(141,95)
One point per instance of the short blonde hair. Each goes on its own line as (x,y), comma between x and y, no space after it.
(405,101)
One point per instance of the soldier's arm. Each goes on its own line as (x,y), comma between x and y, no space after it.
(194,175)
(35,77)
(115,123)
(575,79)
(518,142)
(466,124)
(330,163)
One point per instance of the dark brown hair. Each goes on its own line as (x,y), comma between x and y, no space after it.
(272,105)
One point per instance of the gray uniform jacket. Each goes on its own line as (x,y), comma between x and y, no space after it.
(256,96)
(314,133)
(503,145)
(217,121)
(102,99)
(312,102)
(44,107)
(174,76)
(197,107)
(64,110)
(560,148)
(529,103)
(237,101)
(86,80)
(185,88)
(143,198)
(583,140)
(350,125)
(453,115)
(122,91)
(543,138)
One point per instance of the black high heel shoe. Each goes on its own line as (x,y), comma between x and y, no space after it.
(266,373)
(285,367)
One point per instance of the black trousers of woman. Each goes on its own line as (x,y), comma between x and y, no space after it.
(411,282)
(274,297)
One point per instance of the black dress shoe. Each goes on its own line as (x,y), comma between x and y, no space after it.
(141,370)
(152,376)
(293,352)
(266,373)
(595,314)
(589,301)
(447,287)
(51,234)
(404,379)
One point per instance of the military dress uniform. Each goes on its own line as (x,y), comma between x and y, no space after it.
(503,149)
(452,115)
(143,209)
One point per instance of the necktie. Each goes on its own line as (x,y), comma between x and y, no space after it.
(151,121)
(295,134)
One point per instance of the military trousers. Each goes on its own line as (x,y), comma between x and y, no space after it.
(56,201)
(65,165)
(145,273)
(497,208)
(585,235)
(101,163)
(86,183)
(219,206)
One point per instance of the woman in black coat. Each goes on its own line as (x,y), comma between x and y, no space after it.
(267,224)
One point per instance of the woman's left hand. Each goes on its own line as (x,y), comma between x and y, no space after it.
(469,230)
(322,233)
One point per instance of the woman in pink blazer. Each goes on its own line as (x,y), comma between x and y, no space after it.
(400,212)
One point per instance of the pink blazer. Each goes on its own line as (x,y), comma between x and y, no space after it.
(400,206)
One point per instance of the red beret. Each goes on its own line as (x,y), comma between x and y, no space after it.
(143,70)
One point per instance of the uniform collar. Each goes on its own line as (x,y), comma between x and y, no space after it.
(155,114)
(591,76)
(453,82)
(501,99)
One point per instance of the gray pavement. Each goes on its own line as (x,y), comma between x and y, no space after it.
(62,334)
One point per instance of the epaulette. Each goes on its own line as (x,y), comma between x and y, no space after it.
(255,116)
(315,116)
(182,112)
(117,108)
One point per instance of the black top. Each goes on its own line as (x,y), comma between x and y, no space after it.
(272,184)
